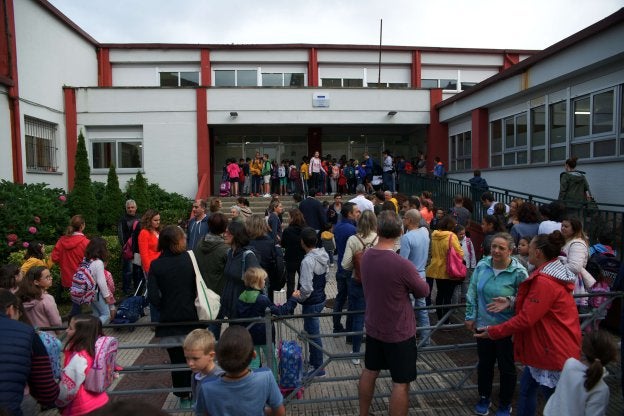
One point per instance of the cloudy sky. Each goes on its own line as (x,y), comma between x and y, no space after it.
(518,24)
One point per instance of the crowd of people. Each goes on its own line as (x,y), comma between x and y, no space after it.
(390,251)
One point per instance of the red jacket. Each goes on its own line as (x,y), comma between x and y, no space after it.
(148,248)
(68,253)
(546,325)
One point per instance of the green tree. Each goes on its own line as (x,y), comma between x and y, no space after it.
(138,190)
(82,198)
(112,207)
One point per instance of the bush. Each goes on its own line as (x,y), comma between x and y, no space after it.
(173,207)
(82,199)
(112,207)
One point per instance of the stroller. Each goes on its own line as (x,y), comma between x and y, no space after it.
(132,308)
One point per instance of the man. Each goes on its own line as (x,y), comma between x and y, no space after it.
(198,225)
(342,231)
(388,197)
(415,248)
(312,211)
(360,199)
(388,172)
(255,169)
(461,214)
(487,199)
(125,228)
(388,279)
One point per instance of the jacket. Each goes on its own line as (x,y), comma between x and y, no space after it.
(211,254)
(293,252)
(74,399)
(312,277)
(68,253)
(546,325)
(353,246)
(148,248)
(125,227)
(34,262)
(573,186)
(312,211)
(43,313)
(255,167)
(196,231)
(252,303)
(233,276)
(478,184)
(342,231)
(439,250)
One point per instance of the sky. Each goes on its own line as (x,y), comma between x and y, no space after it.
(499,24)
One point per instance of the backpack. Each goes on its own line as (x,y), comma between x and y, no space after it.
(84,287)
(357,258)
(53,346)
(224,189)
(290,367)
(102,372)
(294,174)
(350,172)
(126,251)
(596,301)
(608,265)
(409,168)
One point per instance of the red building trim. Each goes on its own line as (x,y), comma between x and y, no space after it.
(480,138)
(313,68)
(5,64)
(416,69)
(437,133)
(105,71)
(510,59)
(204,179)
(71,133)
(14,110)
(206,68)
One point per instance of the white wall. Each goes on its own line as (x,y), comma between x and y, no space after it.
(6,160)
(147,75)
(362,57)
(259,55)
(153,55)
(461,59)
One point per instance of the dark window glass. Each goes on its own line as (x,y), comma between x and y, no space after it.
(496,160)
(272,80)
(168,79)
(352,82)
(293,80)
(189,79)
(467,85)
(604,148)
(103,154)
(581,117)
(247,78)
(581,150)
(331,82)
(521,130)
(558,123)
(538,126)
(448,84)
(557,153)
(225,78)
(429,83)
(376,85)
(602,120)
(497,136)
(509,133)
(130,155)
(397,84)
(510,159)
(521,158)
(468,143)
(538,156)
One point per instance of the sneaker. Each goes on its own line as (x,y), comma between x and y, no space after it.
(483,407)
(315,373)
(504,411)
(266,196)
(355,361)
(186,403)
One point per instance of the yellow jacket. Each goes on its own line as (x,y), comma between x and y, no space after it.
(439,250)
(304,171)
(255,167)
(33,261)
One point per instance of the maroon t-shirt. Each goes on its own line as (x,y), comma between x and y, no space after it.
(388,279)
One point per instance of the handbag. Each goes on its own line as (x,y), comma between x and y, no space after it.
(455,267)
(207,302)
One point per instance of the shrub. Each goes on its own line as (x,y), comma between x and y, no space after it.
(172,206)
(82,198)
(137,189)
(112,206)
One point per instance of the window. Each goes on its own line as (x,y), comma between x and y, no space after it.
(40,145)
(467,85)
(429,83)
(594,125)
(279,79)
(496,144)
(121,146)
(387,85)
(509,141)
(557,131)
(445,84)
(236,78)
(179,79)
(461,151)
(340,82)
(331,82)
(538,134)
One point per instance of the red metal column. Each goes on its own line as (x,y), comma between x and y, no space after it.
(8,38)
(437,132)
(206,69)
(105,71)
(480,138)
(71,133)
(204,178)
(313,68)
(416,69)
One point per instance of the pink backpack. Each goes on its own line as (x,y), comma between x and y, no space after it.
(102,373)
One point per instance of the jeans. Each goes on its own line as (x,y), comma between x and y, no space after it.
(356,303)
(246,185)
(100,309)
(304,186)
(256,184)
(313,327)
(527,400)
(501,351)
(342,277)
(316,181)
(290,280)
(422,320)
(388,181)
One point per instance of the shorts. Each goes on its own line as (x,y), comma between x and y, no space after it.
(267,178)
(233,180)
(283,180)
(369,177)
(398,357)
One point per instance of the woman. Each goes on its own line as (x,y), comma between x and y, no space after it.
(545,326)
(215,206)
(68,253)
(96,255)
(437,268)
(275,222)
(148,247)
(365,237)
(514,209)
(575,254)
(293,252)
(490,225)
(211,253)
(573,186)
(527,222)
(495,275)
(235,214)
(35,256)
(263,246)
(171,288)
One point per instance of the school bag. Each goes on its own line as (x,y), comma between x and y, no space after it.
(131,309)
(597,301)
(126,251)
(608,264)
(53,346)
(357,258)
(102,373)
(224,188)
(294,174)
(290,367)
(84,287)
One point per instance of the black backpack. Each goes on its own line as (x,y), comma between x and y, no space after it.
(609,267)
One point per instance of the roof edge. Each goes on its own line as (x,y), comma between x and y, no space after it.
(68,22)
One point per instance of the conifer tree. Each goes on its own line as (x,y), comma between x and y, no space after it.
(112,202)
(82,200)
(139,192)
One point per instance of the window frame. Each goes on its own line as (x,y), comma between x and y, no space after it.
(179,76)
(236,83)
(35,162)
(586,146)
(460,151)
(116,137)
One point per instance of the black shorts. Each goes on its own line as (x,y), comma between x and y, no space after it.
(369,177)
(234,180)
(398,357)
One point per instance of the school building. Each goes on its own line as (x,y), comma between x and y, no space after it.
(177,111)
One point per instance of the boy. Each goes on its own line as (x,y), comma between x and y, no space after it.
(199,351)
(240,391)
(312,280)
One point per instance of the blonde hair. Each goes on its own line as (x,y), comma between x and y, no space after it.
(200,339)
(256,226)
(254,277)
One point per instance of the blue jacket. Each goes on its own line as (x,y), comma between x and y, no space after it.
(342,231)
(252,303)
(196,231)
(312,211)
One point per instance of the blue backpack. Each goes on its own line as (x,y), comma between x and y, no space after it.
(53,346)
(290,364)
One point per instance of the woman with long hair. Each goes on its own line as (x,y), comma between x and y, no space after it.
(263,245)
(575,253)
(293,252)
(148,248)
(96,257)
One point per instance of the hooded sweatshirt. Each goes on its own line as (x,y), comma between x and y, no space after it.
(196,229)
(252,303)
(312,277)
(545,326)
(211,255)
(43,312)
(245,212)
(439,250)
(573,186)
(68,253)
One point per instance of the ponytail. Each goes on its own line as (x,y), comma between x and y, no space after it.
(593,374)
(600,350)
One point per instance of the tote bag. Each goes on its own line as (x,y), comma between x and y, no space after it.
(455,267)
(207,302)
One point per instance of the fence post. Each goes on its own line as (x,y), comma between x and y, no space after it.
(268,328)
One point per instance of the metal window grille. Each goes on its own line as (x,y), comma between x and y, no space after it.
(40,145)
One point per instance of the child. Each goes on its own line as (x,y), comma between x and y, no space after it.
(199,351)
(283,181)
(10,277)
(39,306)
(581,389)
(96,255)
(74,399)
(312,280)
(35,256)
(252,303)
(595,302)
(523,253)
(328,242)
(240,391)
(470,259)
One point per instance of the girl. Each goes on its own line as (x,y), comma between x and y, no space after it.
(581,389)
(595,302)
(10,276)
(39,306)
(96,255)
(470,259)
(523,253)
(281,173)
(35,256)
(74,399)
(490,226)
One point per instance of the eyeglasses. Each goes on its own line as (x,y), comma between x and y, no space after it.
(196,206)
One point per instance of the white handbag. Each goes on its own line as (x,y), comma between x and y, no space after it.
(207,302)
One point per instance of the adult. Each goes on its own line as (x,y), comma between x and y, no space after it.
(148,247)
(366,236)
(29,364)
(198,224)
(342,231)
(126,226)
(512,217)
(552,214)
(211,253)
(415,248)
(437,268)
(389,198)
(68,253)
(388,171)
(315,167)
(333,211)
(488,201)
(545,326)
(360,199)
(235,214)
(312,210)
(293,252)
(255,169)
(263,245)
(497,275)
(461,214)
(274,221)
(388,279)
(490,225)
(421,165)
(478,185)
(96,256)
(528,223)
(573,186)
(215,205)
(368,167)
(575,254)
(172,289)
(438,169)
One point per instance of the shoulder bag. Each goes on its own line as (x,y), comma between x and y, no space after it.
(207,302)
(455,267)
